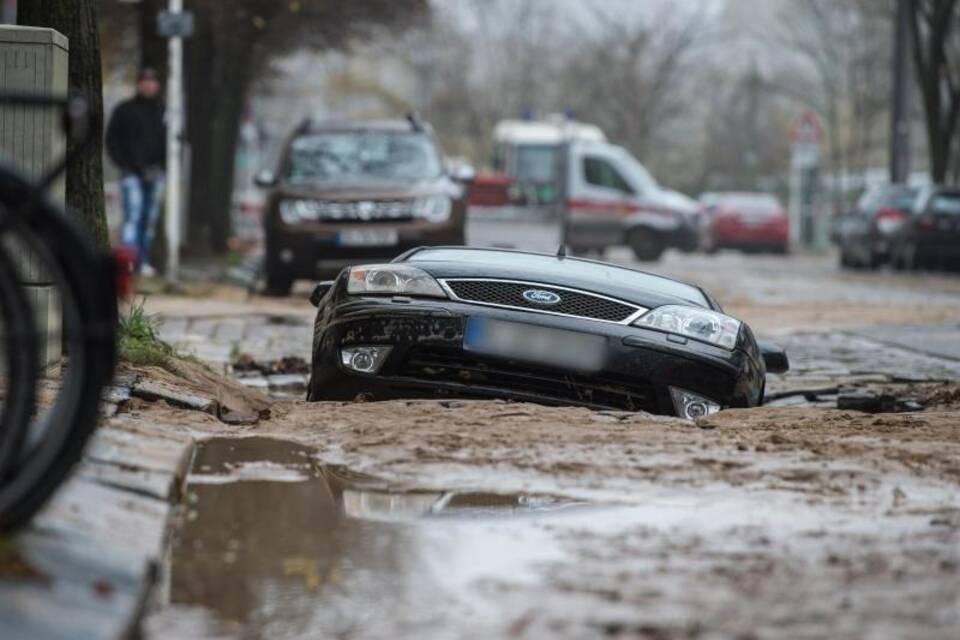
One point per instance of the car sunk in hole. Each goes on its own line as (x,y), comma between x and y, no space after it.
(357,191)
(488,323)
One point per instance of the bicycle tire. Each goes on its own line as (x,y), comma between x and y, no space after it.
(19,349)
(85,278)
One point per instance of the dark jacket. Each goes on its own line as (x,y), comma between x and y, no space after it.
(137,135)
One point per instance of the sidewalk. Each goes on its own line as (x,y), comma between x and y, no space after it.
(87,563)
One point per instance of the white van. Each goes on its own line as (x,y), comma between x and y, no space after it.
(611,199)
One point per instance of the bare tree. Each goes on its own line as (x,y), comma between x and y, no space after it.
(633,77)
(232,47)
(935,27)
(845,47)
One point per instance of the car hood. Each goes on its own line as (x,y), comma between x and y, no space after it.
(612,288)
(678,202)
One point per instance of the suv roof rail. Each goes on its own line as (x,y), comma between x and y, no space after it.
(416,123)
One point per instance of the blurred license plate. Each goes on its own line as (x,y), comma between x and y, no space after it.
(542,345)
(367,238)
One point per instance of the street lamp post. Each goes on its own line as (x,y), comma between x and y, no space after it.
(174,146)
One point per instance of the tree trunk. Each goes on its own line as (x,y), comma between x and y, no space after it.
(931,59)
(77,20)
(218,62)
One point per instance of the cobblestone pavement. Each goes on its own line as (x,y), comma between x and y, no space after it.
(220,340)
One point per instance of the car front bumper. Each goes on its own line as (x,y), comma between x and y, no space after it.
(428,360)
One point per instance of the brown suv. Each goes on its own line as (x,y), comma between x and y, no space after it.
(356,191)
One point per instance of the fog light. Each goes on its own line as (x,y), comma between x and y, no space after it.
(690,405)
(364,359)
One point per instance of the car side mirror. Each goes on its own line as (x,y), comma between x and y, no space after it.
(774,357)
(265,179)
(319,291)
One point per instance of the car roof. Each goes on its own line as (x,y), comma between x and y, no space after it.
(333,125)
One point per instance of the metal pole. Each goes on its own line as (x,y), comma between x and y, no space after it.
(174,148)
(900,100)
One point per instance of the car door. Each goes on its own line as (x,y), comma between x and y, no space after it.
(599,197)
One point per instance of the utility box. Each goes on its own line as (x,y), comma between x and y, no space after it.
(35,61)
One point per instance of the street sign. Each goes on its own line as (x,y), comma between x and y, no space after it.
(175,24)
(806,136)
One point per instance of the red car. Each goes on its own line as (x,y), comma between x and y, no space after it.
(745,221)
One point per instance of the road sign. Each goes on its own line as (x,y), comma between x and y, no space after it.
(175,24)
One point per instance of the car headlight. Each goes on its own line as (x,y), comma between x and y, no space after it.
(294,211)
(433,208)
(699,324)
(393,279)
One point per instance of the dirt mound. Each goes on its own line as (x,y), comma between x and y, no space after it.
(189,385)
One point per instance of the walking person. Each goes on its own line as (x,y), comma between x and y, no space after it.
(136,142)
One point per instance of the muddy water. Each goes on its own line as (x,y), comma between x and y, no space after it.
(275,546)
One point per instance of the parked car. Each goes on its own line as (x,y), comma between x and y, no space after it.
(746,221)
(493,323)
(930,235)
(354,191)
(611,199)
(864,235)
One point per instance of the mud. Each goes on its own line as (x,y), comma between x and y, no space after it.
(327,519)
(772,522)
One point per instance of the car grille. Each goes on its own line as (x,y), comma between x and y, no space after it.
(358,210)
(437,364)
(503,293)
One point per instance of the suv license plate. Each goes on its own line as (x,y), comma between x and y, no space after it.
(368,238)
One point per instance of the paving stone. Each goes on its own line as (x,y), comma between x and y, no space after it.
(150,390)
(287,381)
(229,330)
(255,382)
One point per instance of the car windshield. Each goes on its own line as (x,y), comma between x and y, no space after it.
(945,203)
(536,163)
(587,270)
(895,197)
(363,155)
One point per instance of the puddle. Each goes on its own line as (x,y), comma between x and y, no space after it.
(277,546)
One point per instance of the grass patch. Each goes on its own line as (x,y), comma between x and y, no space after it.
(140,342)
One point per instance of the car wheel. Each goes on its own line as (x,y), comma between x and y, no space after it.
(844,257)
(278,281)
(646,244)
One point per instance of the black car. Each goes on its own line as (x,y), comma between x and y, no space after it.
(930,236)
(485,323)
(864,236)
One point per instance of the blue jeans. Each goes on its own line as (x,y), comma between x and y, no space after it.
(141,207)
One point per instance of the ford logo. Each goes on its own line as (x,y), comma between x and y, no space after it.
(539,296)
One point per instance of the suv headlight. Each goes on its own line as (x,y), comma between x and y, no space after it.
(699,324)
(294,211)
(393,279)
(433,208)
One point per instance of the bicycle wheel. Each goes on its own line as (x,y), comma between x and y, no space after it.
(83,280)
(18,363)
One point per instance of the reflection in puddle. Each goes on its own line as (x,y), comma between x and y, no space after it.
(276,558)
